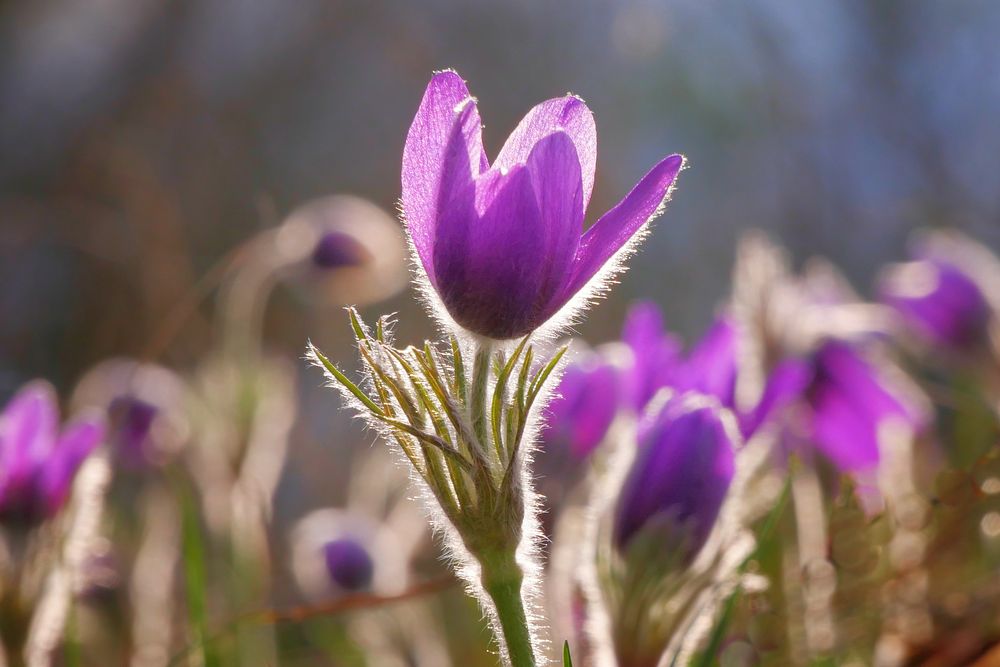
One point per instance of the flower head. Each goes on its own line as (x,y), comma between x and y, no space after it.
(680,476)
(336,249)
(37,462)
(350,566)
(589,396)
(845,401)
(938,300)
(340,248)
(501,244)
(146,409)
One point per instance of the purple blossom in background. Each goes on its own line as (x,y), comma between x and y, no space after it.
(850,400)
(709,368)
(337,249)
(501,244)
(131,422)
(37,462)
(679,478)
(586,403)
(349,564)
(937,299)
(843,400)
(655,353)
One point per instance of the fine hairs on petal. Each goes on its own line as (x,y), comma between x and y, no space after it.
(601,283)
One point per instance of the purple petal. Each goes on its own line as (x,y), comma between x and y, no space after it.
(681,474)
(569,114)
(443,153)
(939,300)
(27,435)
(588,399)
(74,446)
(656,354)
(502,248)
(617,226)
(787,382)
(850,401)
(711,366)
(489,269)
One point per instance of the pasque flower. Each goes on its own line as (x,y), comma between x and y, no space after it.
(589,396)
(842,401)
(37,462)
(501,244)
(938,300)
(680,476)
(348,564)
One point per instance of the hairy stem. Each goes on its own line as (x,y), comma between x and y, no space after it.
(503,579)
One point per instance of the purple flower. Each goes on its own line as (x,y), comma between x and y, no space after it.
(336,249)
(37,463)
(939,300)
(709,368)
(842,402)
(131,423)
(655,353)
(349,564)
(680,476)
(587,400)
(849,401)
(501,244)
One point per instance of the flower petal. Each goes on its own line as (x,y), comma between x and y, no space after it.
(712,365)
(27,434)
(569,114)
(489,264)
(556,180)
(74,446)
(504,246)
(617,226)
(443,153)
(656,354)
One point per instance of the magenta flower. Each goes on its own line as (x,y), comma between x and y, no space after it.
(501,244)
(348,563)
(842,400)
(710,367)
(938,300)
(37,463)
(679,479)
(587,401)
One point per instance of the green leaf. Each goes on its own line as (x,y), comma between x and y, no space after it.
(459,367)
(343,380)
(499,392)
(567,659)
(195,577)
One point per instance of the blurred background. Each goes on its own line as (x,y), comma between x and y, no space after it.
(142,140)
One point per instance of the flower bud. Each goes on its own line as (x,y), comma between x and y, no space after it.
(145,404)
(349,564)
(335,249)
(680,476)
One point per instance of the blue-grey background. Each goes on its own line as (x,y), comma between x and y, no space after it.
(141,139)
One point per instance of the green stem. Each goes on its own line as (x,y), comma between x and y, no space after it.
(503,579)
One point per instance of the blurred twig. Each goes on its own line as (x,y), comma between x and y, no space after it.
(343,605)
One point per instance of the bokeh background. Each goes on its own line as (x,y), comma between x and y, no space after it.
(142,140)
